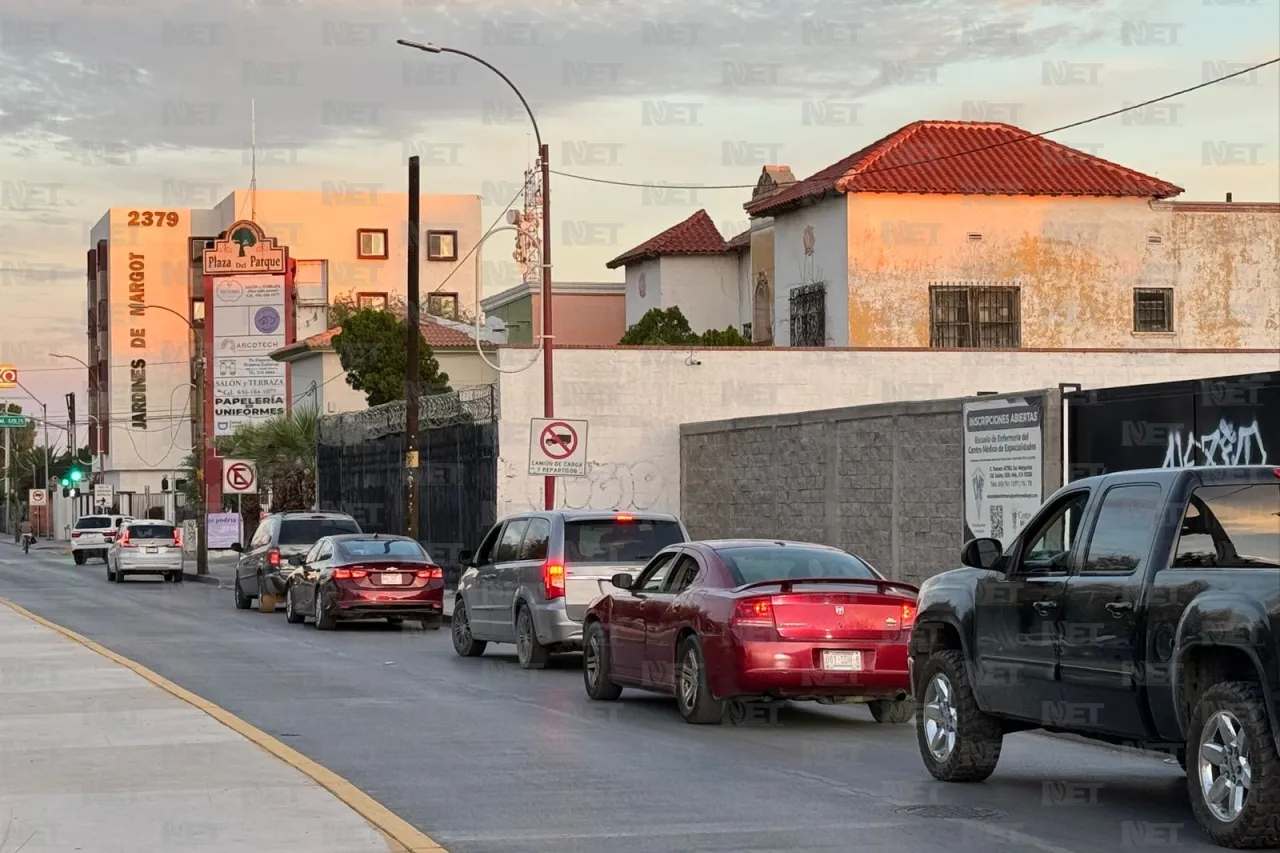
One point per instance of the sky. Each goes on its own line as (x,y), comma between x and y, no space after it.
(110,102)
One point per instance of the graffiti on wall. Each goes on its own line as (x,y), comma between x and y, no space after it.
(1229,444)
(638,486)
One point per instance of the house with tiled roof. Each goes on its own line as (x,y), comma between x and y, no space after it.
(958,234)
(318,378)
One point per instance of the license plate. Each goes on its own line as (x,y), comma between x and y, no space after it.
(842,661)
(153,550)
(393,580)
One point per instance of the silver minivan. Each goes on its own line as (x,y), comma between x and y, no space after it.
(146,547)
(534,575)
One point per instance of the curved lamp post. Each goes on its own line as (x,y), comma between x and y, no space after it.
(548,374)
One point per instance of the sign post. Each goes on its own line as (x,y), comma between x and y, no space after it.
(103,494)
(8,376)
(557,448)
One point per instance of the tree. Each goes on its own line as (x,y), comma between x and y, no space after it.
(373,351)
(344,306)
(283,449)
(244,237)
(669,327)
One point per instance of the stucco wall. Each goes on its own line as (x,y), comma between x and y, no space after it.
(466,368)
(705,287)
(885,482)
(583,319)
(636,399)
(829,263)
(639,304)
(1077,262)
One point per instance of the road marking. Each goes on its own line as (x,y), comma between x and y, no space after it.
(400,835)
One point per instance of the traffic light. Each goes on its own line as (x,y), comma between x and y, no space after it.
(65,482)
(76,475)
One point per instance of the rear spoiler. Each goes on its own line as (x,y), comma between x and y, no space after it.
(883,587)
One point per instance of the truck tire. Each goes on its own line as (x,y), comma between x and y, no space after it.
(892,712)
(1242,707)
(966,742)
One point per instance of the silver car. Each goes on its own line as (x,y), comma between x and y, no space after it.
(534,575)
(146,547)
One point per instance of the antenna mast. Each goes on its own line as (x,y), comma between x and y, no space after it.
(253,149)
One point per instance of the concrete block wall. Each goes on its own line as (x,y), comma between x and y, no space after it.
(885,482)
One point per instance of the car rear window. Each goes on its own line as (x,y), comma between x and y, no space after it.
(308,531)
(150,531)
(609,540)
(382,548)
(93,522)
(761,563)
(1231,527)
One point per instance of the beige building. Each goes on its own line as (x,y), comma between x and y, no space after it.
(1022,244)
(586,313)
(320,381)
(145,295)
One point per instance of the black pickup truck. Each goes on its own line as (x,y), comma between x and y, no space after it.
(1138,608)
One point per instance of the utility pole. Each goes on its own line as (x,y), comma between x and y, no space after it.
(8,476)
(199,457)
(412,358)
(45,410)
(548,374)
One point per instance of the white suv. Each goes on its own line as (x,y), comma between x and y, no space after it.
(93,536)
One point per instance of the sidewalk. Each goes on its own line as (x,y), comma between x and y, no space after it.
(98,758)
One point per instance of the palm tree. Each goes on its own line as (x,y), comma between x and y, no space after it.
(283,449)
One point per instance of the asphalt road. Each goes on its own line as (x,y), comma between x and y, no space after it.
(487,758)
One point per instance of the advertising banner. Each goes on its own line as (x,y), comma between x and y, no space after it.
(1003,465)
(248,325)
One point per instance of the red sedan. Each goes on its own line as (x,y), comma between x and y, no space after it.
(365,576)
(753,620)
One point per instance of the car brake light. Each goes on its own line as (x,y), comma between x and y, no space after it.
(1276,472)
(75,535)
(431,574)
(624,517)
(109,534)
(553,581)
(753,611)
(908,615)
(348,574)
(273,557)
(177,537)
(124,540)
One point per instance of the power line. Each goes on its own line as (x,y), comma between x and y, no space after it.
(479,242)
(81,367)
(937,159)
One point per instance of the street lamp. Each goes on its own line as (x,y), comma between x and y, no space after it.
(93,389)
(548,374)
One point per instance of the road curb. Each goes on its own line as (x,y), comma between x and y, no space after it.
(395,829)
(205,579)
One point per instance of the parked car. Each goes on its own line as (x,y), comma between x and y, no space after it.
(144,547)
(1140,608)
(365,576)
(263,566)
(534,575)
(93,534)
(754,620)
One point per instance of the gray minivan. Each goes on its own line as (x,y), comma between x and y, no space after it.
(534,575)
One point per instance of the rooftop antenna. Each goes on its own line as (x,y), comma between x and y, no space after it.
(253,154)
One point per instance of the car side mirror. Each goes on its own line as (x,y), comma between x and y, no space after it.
(298,560)
(237,547)
(981,553)
(465,557)
(622,580)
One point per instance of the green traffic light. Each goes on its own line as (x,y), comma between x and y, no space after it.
(65,482)
(75,475)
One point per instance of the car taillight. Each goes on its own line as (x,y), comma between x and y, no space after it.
(553,581)
(908,615)
(431,574)
(753,611)
(273,557)
(124,540)
(624,517)
(75,535)
(177,537)
(109,534)
(348,574)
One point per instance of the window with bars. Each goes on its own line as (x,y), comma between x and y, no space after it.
(809,315)
(1153,309)
(443,305)
(975,317)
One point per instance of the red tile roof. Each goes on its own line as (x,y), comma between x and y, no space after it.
(437,335)
(930,157)
(742,241)
(697,235)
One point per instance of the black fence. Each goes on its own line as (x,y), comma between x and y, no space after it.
(1229,420)
(360,470)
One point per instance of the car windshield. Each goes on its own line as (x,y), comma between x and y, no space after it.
(93,522)
(381,548)
(611,540)
(308,531)
(1231,527)
(762,563)
(150,531)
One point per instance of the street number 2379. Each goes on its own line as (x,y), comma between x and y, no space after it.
(156,217)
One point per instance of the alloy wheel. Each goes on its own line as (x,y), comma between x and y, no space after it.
(524,638)
(288,605)
(1223,766)
(940,717)
(461,626)
(689,671)
(591,658)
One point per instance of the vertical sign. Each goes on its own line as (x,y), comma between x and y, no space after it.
(248,325)
(1003,465)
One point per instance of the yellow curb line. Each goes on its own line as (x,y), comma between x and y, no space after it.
(407,838)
